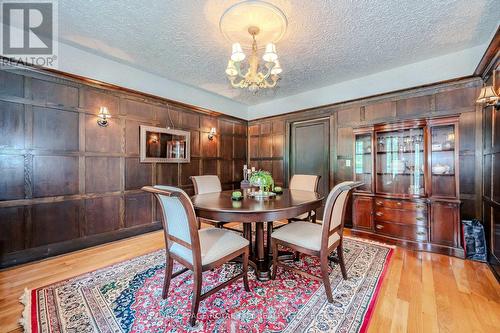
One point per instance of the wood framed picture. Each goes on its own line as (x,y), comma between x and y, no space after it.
(162,145)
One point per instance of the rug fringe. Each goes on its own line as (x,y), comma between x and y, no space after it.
(25,320)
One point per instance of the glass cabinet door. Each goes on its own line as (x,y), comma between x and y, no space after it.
(363,161)
(400,162)
(443,160)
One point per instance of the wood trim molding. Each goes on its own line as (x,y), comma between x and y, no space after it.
(490,57)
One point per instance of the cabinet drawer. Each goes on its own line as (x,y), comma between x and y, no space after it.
(400,204)
(411,232)
(401,216)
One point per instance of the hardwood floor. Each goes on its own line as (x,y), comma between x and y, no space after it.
(422,292)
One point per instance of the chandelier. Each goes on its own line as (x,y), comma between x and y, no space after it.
(244,23)
(254,79)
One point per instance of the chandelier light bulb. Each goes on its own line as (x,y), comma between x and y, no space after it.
(231,69)
(270,55)
(237,54)
(277,68)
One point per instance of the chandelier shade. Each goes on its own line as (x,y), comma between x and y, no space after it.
(237,54)
(270,55)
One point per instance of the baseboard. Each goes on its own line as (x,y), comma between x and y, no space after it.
(43,252)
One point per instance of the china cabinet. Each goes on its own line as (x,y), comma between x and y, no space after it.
(410,193)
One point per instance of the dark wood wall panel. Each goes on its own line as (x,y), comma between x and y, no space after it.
(102,215)
(12,128)
(138,209)
(67,183)
(54,129)
(52,93)
(12,177)
(102,174)
(55,175)
(55,222)
(11,84)
(12,230)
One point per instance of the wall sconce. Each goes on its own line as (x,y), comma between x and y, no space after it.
(212,133)
(153,138)
(489,96)
(103,117)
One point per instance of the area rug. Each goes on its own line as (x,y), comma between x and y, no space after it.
(126,297)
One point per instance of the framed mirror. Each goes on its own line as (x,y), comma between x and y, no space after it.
(162,145)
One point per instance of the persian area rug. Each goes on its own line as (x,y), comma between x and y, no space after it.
(126,297)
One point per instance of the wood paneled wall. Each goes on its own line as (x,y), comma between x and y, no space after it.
(269,137)
(66,183)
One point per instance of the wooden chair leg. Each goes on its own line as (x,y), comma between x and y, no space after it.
(275,260)
(245,271)
(195,303)
(313,218)
(325,277)
(169,266)
(340,254)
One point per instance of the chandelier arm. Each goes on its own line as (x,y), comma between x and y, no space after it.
(240,84)
(269,70)
(273,84)
(238,68)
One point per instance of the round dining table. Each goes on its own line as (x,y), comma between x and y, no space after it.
(256,211)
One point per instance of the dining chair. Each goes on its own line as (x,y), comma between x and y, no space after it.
(197,250)
(318,240)
(305,183)
(207,184)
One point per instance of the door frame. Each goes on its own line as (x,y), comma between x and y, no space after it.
(288,139)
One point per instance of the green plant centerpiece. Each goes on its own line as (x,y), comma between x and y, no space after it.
(263,180)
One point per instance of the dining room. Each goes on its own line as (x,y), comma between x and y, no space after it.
(249,166)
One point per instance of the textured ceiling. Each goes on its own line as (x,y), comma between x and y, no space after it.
(326,42)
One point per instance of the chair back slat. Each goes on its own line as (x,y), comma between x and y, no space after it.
(179,218)
(335,209)
(304,182)
(206,184)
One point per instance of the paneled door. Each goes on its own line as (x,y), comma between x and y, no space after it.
(310,149)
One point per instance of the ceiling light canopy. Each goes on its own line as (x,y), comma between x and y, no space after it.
(242,24)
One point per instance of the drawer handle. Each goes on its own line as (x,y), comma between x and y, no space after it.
(379,203)
(398,203)
(420,218)
(379,213)
(421,233)
(379,227)
(420,206)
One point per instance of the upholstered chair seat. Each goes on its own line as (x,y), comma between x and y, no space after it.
(303,234)
(214,244)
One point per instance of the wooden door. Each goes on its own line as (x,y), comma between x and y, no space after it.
(310,151)
(362,212)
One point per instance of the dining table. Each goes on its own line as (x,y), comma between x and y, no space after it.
(256,212)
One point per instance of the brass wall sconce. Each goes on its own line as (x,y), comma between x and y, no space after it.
(103,116)
(489,96)
(153,138)
(212,133)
